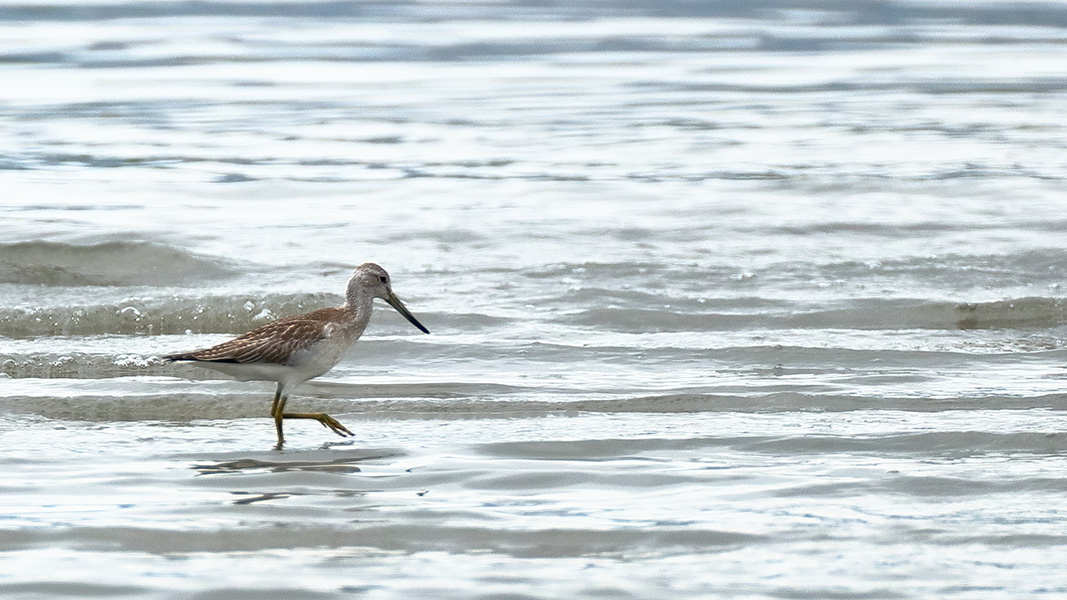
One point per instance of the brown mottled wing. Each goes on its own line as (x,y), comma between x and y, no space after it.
(271,343)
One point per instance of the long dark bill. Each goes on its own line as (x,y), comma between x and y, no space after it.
(400,308)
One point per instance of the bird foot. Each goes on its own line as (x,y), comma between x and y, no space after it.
(334,425)
(327,421)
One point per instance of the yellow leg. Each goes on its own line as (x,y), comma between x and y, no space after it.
(276,411)
(327,421)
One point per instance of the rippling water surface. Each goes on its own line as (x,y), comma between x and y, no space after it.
(728,300)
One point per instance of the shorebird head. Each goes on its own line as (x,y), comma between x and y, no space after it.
(376,283)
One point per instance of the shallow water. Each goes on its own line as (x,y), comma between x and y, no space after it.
(757,300)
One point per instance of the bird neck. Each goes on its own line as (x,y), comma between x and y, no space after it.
(358,304)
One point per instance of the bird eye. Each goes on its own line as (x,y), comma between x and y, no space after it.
(382,279)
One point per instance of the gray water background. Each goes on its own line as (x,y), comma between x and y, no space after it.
(728,299)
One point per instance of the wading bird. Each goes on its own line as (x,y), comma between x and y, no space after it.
(294,349)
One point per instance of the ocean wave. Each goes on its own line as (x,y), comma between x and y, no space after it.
(777,285)
(77,365)
(111,263)
(1021,313)
(408,538)
(859,314)
(236,314)
(945,444)
(180,400)
(159,315)
(1033,312)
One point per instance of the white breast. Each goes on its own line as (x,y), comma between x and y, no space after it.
(321,356)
